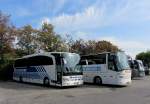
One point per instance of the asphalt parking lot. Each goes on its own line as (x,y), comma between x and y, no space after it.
(21,93)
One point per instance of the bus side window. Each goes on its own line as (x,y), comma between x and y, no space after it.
(21,63)
(31,69)
(47,61)
(40,60)
(100,59)
(91,62)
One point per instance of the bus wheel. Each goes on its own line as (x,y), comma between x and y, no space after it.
(98,81)
(46,82)
(20,79)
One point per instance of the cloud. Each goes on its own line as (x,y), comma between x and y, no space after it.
(124,43)
(89,18)
(103,14)
(47,7)
(132,11)
(45,20)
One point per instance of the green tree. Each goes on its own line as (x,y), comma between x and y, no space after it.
(145,57)
(105,46)
(78,46)
(92,47)
(27,39)
(69,42)
(49,40)
(7,33)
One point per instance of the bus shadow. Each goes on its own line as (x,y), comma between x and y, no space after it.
(111,87)
(15,85)
(25,86)
(138,78)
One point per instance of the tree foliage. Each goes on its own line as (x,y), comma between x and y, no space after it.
(26,39)
(7,33)
(145,57)
(49,40)
(93,47)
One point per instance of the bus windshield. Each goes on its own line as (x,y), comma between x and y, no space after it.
(70,61)
(122,61)
(141,67)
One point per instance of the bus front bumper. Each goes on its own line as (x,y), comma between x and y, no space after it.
(72,80)
(123,82)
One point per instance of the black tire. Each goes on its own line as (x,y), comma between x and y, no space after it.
(97,81)
(147,72)
(46,82)
(21,79)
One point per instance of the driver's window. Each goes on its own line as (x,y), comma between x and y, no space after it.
(136,65)
(83,62)
(111,66)
(111,63)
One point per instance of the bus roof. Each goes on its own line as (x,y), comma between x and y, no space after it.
(61,52)
(97,54)
(45,54)
(101,53)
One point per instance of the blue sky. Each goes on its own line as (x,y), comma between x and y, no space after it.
(126,23)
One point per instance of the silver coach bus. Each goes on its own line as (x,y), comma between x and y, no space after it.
(51,68)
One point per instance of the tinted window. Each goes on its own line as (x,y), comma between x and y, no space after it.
(98,59)
(82,63)
(21,63)
(136,66)
(58,58)
(131,64)
(91,62)
(112,63)
(40,60)
(31,69)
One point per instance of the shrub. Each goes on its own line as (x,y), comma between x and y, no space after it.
(6,70)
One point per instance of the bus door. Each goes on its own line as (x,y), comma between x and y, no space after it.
(51,69)
(58,70)
(59,74)
(112,67)
(84,65)
(91,70)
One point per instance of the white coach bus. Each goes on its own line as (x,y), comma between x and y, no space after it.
(51,68)
(106,68)
(138,65)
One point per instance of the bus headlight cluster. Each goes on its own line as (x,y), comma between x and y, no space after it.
(65,79)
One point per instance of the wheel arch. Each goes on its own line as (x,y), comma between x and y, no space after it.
(94,79)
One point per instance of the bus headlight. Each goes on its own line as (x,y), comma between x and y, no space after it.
(121,76)
(65,79)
